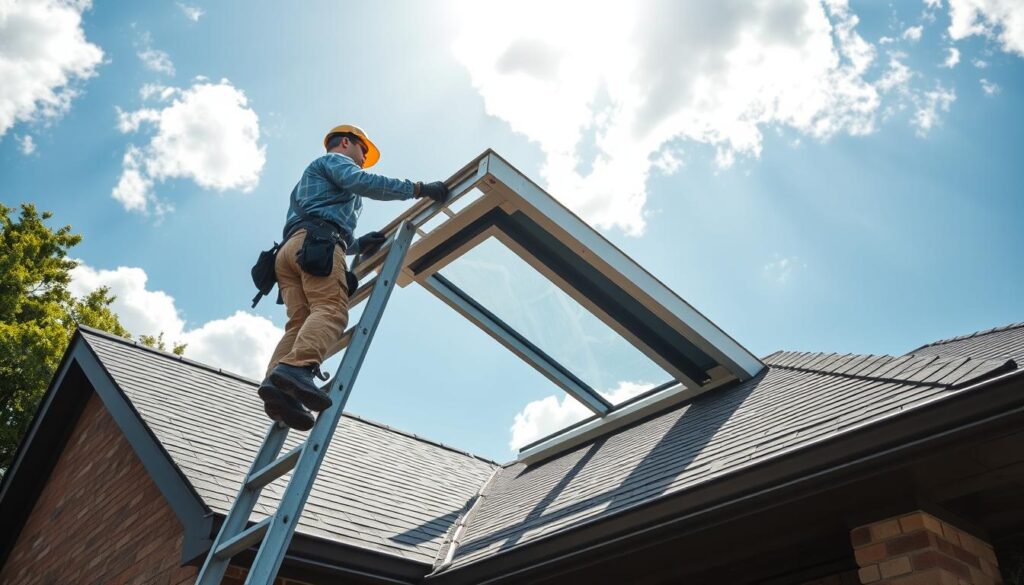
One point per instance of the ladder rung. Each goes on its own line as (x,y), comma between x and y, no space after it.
(275,469)
(243,540)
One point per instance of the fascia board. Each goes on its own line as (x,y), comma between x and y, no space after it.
(188,506)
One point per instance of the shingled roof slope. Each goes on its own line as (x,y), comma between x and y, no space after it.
(801,399)
(378,488)
(1000,342)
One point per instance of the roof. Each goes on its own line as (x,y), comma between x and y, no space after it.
(378,488)
(402,496)
(1000,342)
(800,400)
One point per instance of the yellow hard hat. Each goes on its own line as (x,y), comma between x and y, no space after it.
(372,154)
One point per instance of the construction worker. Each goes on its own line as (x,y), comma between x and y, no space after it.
(311,267)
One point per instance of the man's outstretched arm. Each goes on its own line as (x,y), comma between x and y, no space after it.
(346,175)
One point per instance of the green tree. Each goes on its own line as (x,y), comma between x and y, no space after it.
(38,316)
(157,342)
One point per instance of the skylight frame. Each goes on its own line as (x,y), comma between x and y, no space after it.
(587,267)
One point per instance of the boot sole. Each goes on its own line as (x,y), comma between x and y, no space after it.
(279,411)
(311,399)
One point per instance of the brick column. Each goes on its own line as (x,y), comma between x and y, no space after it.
(920,549)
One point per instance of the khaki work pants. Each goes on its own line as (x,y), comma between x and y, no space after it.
(317,307)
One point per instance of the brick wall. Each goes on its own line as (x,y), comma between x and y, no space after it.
(100,518)
(919,549)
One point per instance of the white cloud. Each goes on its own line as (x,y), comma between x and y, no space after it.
(542,417)
(192,13)
(153,59)
(897,75)
(134,189)
(155,91)
(240,343)
(952,57)
(156,60)
(1002,20)
(141,311)
(207,133)
(989,87)
(780,270)
(928,105)
(43,52)
(932,4)
(26,144)
(980,63)
(636,76)
(668,161)
(913,33)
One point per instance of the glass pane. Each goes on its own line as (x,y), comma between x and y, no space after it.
(541,312)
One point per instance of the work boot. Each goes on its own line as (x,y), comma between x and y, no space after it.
(298,381)
(284,408)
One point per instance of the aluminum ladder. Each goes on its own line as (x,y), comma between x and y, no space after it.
(274,533)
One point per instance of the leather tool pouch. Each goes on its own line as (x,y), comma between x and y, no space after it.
(316,257)
(263,274)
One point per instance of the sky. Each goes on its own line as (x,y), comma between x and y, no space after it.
(810,175)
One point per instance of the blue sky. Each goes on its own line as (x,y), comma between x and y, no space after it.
(854,196)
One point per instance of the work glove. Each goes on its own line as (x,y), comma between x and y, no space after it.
(370,242)
(437,190)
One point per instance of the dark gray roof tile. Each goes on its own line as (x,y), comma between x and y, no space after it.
(803,398)
(940,370)
(378,488)
(395,493)
(1005,342)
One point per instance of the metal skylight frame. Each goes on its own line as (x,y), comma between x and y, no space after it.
(575,258)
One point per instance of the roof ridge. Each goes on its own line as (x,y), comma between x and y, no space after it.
(934,363)
(998,329)
(786,353)
(215,370)
(163,353)
(420,438)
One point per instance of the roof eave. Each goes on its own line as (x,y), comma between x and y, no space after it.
(312,558)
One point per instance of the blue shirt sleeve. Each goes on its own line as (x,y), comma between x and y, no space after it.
(347,176)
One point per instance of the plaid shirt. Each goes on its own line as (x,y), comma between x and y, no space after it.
(333,186)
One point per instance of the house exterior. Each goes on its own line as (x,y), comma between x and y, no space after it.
(823,469)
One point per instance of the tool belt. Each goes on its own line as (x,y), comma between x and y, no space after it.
(316,257)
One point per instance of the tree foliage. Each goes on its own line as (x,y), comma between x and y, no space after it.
(157,342)
(38,315)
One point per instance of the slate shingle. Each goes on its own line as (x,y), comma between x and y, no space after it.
(394,493)
(1005,342)
(801,399)
(377,489)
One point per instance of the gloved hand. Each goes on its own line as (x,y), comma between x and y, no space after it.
(370,242)
(437,190)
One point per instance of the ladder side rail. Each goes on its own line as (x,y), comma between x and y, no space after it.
(275,543)
(214,567)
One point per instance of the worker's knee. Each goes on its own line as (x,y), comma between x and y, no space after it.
(327,312)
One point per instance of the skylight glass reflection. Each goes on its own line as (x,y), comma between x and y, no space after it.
(531,304)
